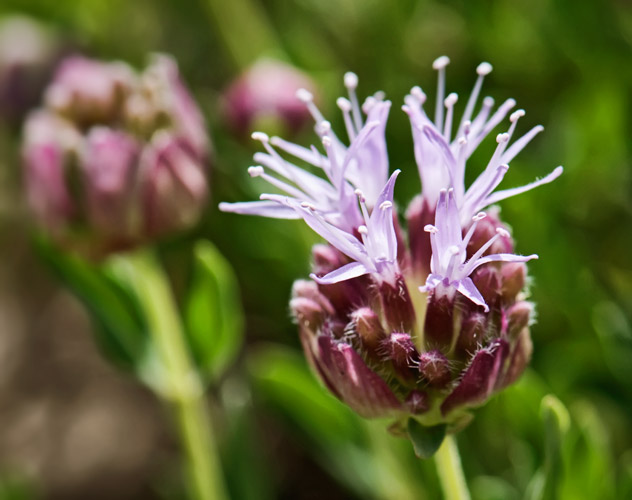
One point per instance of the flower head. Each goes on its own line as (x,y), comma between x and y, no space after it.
(362,165)
(449,269)
(115,158)
(462,334)
(441,155)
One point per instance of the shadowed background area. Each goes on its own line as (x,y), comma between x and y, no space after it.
(72,426)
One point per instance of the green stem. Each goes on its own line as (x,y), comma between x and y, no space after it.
(450,472)
(183,387)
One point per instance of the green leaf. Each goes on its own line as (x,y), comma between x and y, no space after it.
(119,328)
(426,440)
(546,483)
(213,314)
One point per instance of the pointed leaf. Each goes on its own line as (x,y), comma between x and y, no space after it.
(426,440)
(213,313)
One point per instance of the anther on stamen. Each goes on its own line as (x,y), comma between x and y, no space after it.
(385,204)
(304,95)
(429,228)
(369,104)
(519,113)
(324,127)
(484,69)
(503,232)
(451,100)
(479,216)
(350,80)
(363,229)
(308,205)
(326,141)
(260,136)
(462,141)
(441,62)
(454,250)
(344,104)
(255,171)
(500,138)
(418,94)
(488,102)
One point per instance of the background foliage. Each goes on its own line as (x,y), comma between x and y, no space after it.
(569,65)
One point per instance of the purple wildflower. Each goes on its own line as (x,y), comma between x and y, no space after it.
(386,353)
(362,165)
(449,269)
(441,157)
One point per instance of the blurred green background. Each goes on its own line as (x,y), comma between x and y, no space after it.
(71,427)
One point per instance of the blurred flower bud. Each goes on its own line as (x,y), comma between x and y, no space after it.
(265,97)
(172,183)
(97,180)
(27,52)
(50,148)
(89,92)
(109,161)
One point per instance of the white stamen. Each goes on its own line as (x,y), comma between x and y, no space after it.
(308,205)
(379,96)
(449,103)
(351,80)
(260,136)
(255,171)
(324,127)
(429,228)
(503,232)
(516,115)
(484,69)
(304,95)
(418,94)
(385,204)
(363,229)
(326,141)
(369,104)
(479,216)
(500,138)
(344,104)
(440,62)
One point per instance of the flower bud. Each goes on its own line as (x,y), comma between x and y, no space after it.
(417,402)
(367,325)
(264,97)
(485,230)
(173,185)
(88,92)
(101,182)
(108,161)
(49,149)
(513,280)
(435,367)
(399,349)
(518,317)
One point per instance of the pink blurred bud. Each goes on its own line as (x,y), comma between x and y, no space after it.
(109,168)
(162,101)
(173,184)
(266,93)
(89,91)
(50,146)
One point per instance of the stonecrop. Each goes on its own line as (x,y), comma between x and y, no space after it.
(423,325)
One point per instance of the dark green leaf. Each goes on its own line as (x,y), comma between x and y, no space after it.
(119,327)
(213,313)
(426,440)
